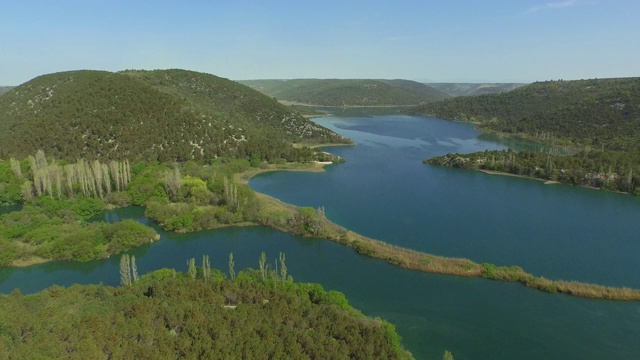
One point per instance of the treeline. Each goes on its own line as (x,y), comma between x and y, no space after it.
(91,179)
(167,314)
(608,170)
(168,115)
(598,113)
(59,197)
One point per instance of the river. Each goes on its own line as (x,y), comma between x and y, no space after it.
(385,192)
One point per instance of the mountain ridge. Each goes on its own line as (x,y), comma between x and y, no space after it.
(474,89)
(347,92)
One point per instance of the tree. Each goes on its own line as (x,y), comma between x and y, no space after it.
(232,272)
(447,355)
(134,268)
(27,190)
(206,267)
(262,263)
(191,264)
(125,270)
(15,166)
(172,180)
(283,267)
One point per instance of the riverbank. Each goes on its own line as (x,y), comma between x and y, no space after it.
(491,172)
(279,211)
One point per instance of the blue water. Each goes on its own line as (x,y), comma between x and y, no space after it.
(384,191)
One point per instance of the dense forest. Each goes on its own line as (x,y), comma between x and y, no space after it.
(595,122)
(347,92)
(255,314)
(162,115)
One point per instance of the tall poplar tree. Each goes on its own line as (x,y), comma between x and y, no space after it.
(232,271)
(125,270)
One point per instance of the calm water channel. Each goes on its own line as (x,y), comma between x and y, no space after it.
(385,192)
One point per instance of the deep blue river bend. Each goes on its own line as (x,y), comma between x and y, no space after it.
(384,191)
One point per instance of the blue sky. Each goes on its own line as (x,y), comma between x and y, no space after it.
(438,41)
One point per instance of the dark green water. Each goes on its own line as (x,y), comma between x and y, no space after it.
(384,191)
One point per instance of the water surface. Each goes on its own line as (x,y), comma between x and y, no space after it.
(384,191)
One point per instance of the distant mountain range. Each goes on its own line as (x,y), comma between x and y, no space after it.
(474,89)
(164,115)
(348,92)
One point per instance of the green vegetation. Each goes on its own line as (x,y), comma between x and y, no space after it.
(601,114)
(608,170)
(335,92)
(58,199)
(189,197)
(474,89)
(5,89)
(596,121)
(163,115)
(167,314)
(53,229)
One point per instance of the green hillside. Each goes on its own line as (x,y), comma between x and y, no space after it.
(164,115)
(4,89)
(603,113)
(474,89)
(596,121)
(339,92)
(198,315)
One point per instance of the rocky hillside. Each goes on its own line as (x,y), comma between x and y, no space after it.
(165,115)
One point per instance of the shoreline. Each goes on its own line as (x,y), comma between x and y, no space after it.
(492,172)
(295,103)
(275,210)
(425,262)
(545,181)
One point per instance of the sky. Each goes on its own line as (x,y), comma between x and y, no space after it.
(423,40)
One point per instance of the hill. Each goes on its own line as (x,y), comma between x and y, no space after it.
(4,89)
(597,122)
(169,315)
(600,113)
(474,89)
(164,115)
(353,92)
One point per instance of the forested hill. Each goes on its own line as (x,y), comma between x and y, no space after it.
(474,89)
(599,113)
(352,92)
(4,89)
(165,115)
(198,315)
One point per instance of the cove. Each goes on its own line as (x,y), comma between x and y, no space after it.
(474,318)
